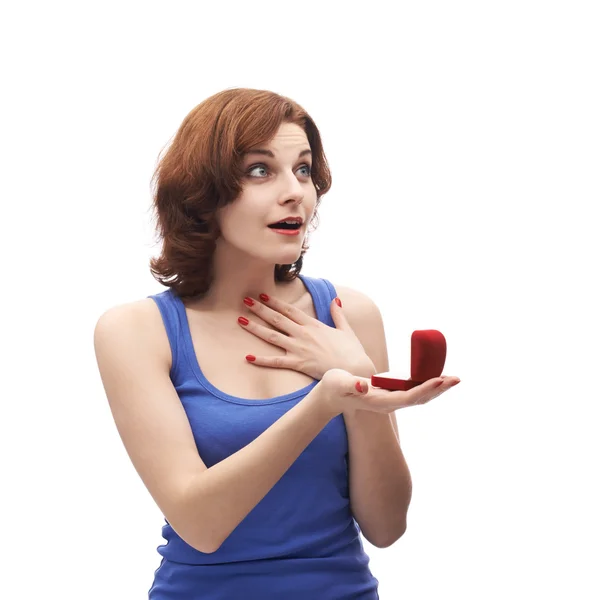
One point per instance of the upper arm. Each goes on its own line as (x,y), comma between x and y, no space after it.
(133,355)
(366,321)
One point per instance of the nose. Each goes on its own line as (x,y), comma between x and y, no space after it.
(294,191)
(295,199)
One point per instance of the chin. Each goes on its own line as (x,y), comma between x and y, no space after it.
(286,258)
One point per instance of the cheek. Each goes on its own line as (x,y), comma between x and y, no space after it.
(242,216)
(311,205)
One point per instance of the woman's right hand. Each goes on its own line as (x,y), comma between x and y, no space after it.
(341,394)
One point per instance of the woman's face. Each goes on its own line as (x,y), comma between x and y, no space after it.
(277,184)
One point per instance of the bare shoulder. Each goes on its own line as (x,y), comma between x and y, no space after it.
(140,319)
(138,312)
(365,318)
(357,305)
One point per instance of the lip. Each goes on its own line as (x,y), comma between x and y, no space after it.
(291,232)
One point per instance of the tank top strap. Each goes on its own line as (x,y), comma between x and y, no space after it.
(323,293)
(167,305)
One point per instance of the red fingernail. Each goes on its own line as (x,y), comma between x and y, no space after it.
(243,321)
(338,302)
(248,301)
(455,383)
(251,357)
(358,387)
(264,297)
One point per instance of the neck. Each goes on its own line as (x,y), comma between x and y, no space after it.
(233,280)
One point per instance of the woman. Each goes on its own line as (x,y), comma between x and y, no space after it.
(241,392)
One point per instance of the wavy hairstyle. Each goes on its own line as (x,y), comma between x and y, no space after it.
(202,171)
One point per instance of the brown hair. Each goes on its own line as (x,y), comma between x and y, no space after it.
(202,171)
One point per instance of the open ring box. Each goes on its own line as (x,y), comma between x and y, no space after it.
(428,355)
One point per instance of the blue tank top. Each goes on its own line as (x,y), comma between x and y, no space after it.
(301,539)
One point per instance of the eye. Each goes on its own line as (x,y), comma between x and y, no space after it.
(308,169)
(265,168)
(253,168)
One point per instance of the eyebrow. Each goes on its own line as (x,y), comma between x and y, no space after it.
(269,153)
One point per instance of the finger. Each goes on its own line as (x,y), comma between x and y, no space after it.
(268,335)
(355,387)
(282,315)
(337,314)
(427,391)
(345,384)
(361,387)
(448,381)
(275,362)
(434,388)
(421,394)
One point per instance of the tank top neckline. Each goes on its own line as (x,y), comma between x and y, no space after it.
(192,359)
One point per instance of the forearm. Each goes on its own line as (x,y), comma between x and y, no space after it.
(220,497)
(380,482)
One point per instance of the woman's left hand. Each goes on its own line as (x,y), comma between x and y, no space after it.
(310,346)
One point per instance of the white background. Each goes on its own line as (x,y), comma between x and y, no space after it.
(463,139)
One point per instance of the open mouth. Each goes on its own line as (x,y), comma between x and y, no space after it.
(290,226)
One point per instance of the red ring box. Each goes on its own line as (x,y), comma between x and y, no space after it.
(427,358)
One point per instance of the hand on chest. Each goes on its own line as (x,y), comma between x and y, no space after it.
(221,356)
